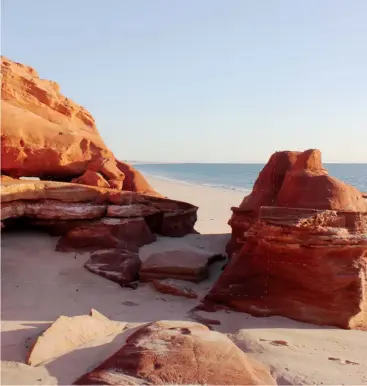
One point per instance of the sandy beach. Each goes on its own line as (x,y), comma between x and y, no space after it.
(40,284)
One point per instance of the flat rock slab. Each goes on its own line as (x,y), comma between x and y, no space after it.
(107,233)
(175,288)
(133,210)
(120,266)
(51,210)
(178,264)
(179,353)
(67,333)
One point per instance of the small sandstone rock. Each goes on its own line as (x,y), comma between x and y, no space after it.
(187,265)
(67,333)
(174,287)
(120,266)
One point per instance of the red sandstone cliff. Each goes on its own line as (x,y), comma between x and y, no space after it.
(44,134)
(299,246)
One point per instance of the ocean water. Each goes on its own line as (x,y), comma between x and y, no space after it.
(240,176)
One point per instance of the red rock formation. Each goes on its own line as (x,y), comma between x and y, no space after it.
(295,180)
(49,200)
(309,265)
(308,185)
(179,353)
(264,193)
(46,135)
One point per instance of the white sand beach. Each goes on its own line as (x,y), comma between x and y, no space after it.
(40,284)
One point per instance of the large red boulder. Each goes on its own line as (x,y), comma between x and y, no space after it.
(306,264)
(178,353)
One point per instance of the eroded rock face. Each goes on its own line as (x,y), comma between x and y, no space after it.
(308,185)
(120,266)
(47,135)
(52,210)
(67,333)
(187,265)
(50,200)
(264,193)
(298,246)
(293,180)
(181,353)
(306,264)
(43,132)
(92,178)
(105,234)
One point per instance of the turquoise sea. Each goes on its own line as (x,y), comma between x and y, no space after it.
(240,176)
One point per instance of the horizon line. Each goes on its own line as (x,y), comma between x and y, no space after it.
(232,163)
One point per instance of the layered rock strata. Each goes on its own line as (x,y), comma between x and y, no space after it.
(293,180)
(298,247)
(182,264)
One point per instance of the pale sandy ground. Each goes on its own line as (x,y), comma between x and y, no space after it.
(39,284)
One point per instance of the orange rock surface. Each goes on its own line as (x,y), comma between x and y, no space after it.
(92,178)
(179,353)
(47,135)
(68,333)
(43,132)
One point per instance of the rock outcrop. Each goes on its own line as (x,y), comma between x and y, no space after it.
(44,134)
(180,353)
(81,215)
(309,265)
(55,202)
(68,333)
(300,247)
(293,180)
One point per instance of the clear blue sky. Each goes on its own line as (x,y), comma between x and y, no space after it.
(205,80)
